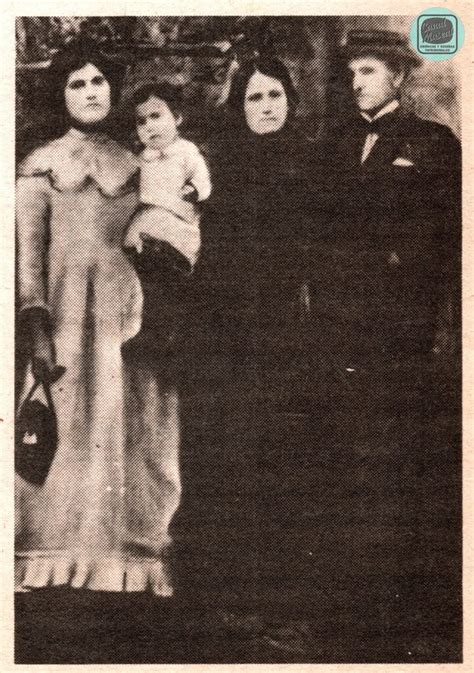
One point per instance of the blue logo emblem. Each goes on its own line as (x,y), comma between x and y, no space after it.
(437,34)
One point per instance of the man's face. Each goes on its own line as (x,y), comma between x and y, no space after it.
(374,84)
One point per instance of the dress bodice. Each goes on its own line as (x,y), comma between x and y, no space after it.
(77,159)
(75,197)
(86,182)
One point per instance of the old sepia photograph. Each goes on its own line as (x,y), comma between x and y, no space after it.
(238,405)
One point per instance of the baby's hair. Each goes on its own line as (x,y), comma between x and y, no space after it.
(169,93)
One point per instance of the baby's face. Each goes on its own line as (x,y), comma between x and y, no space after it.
(157,126)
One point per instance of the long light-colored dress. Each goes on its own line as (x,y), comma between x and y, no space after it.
(101,520)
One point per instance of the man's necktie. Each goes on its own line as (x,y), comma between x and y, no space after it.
(373,129)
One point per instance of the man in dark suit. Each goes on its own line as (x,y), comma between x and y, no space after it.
(385,264)
(388,222)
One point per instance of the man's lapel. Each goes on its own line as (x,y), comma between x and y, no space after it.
(386,148)
(351,143)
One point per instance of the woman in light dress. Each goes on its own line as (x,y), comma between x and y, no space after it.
(101,519)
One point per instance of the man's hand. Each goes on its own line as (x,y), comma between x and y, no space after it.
(444,342)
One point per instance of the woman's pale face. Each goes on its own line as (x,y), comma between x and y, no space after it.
(87,95)
(265,104)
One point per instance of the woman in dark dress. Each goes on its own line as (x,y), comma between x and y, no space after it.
(253,302)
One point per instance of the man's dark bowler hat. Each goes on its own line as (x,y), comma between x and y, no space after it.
(384,44)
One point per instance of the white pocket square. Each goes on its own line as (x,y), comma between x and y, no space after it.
(400,161)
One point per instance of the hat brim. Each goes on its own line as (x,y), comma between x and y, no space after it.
(394,54)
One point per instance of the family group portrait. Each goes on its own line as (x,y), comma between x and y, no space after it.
(237,342)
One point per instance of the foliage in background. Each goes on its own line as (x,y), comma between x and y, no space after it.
(38,37)
(308,46)
(300,41)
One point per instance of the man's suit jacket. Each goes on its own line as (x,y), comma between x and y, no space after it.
(387,231)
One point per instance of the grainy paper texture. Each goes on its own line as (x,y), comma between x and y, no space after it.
(302,435)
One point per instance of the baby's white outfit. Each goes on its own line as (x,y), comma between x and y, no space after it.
(164,214)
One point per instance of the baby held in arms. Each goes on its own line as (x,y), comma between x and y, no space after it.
(173,175)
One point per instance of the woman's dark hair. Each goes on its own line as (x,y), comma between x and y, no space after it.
(272,67)
(74,56)
(165,91)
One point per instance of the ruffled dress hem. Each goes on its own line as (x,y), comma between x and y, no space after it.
(34,571)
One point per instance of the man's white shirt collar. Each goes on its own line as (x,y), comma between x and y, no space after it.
(390,107)
(372,137)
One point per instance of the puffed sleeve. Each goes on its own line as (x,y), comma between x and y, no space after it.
(32,211)
(198,174)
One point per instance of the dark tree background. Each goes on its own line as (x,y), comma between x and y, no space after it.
(198,53)
(202,53)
